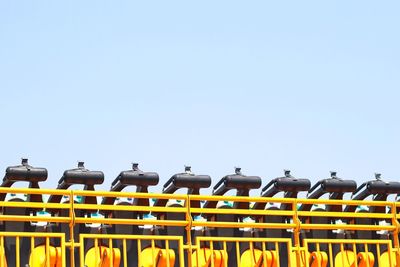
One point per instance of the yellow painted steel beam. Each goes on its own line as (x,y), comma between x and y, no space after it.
(23,204)
(129,208)
(242,211)
(130,221)
(242,225)
(24,218)
(344,214)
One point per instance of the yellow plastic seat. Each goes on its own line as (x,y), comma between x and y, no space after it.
(157,257)
(38,257)
(3,261)
(203,259)
(103,255)
(348,258)
(255,258)
(385,260)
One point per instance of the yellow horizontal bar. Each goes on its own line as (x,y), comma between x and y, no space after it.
(131,221)
(346,227)
(142,237)
(34,191)
(129,208)
(241,199)
(244,239)
(22,204)
(24,218)
(242,211)
(31,234)
(348,241)
(344,214)
(244,225)
(129,194)
(344,202)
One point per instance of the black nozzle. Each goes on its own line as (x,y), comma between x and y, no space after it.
(242,183)
(338,186)
(288,184)
(78,176)
(81,176)
(24,173)
(236,181)
(334,186)
(377,187)
(187,180)
(135,177)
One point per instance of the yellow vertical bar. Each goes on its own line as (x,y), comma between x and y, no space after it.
(395,222)
(153,252)
(167,249)
(188,230)
(3,255)
(330,254)
(378,252)
(367,253)
(47,252)
(17,257)
(139,245)
(71,229)
(264,252)
(198,250)
(111,252)
(81,252)
(355,253)
(296,233)
(252,252)
(391,260)
(238,256)
(212,253)
(124,252)
(307,260)
(96,252)
(225,254)
(63,251)
(342,250)
(181,259)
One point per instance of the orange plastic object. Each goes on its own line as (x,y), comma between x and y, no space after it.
(38,257)
(157,257)
(204,258)
(255,258)
(103,255)
(347,258)
(365,259)
(315,259)
(318,259)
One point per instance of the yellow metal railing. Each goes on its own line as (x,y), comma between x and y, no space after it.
(124,255)
(297,221)
(18,236)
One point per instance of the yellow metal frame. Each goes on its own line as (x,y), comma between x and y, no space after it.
(298,219)
(237,241)
(139,238)
(33,236)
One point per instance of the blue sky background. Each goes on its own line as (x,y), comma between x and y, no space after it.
(312,86)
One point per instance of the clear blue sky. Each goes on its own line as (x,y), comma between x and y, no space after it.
(311,86)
